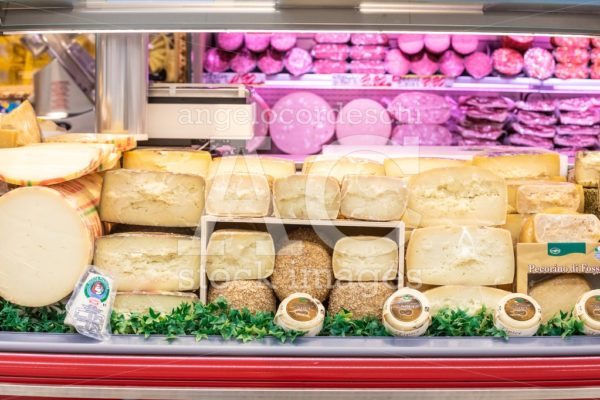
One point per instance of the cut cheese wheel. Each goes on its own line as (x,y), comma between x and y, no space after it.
(234,254)
(559,293)
(181,161)
(365,258)
(458,196)
(307,197)
(513,186)
(9,137)
(47,242)
(152,198)
(537,197)
(460,255)
(468,298)
(408,166)
(241,195)
(341,166)
(587,168)
(142,302)
(150,261)
(122,142)
(520,165)
(260,165)
(113,161)
(23,119)
(49,163)
(373,198)
(514,224)
(557,228)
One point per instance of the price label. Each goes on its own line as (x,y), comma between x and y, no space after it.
(231,78)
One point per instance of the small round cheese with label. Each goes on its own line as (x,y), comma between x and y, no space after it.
(301,312)
(406,313)
(587,310)
(518,315)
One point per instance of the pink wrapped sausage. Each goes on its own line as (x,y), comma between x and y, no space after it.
(424,64)
(487,134)
(271,62)
(481,125)
(297,61)
(478,65)
(411,43)
(539,63)
(487,102)
(368,52)
(423,135)
(396,63)
(584,118)
(595,41)
(363,122)
(451,64)
(243,62)
(576,104)
(543,131)
(578,130)
(573,55)
(282,41)
(535,118)
(537,105)
(507,61)
(572,71)
(576,141)
(301,123)
(595,70)
(482,114)
(332,37)
(216,60)
(420,108)
(461,141)
(465,44)
(595,54)
(437,43)
(331,51)
(257,42)
(518,42)
(230,41)
(367,67)
(329,67)
(369,38)
(530,141)
(571,41)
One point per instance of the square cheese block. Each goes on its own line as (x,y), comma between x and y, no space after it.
(241,195)
(513,186)
(234,254)
(408,166)
(519,164)
(468,298)
(556,228)
(339,167)
(142,302)
(587,168)
(514,223)
(559,293)
(460,255)
(275,167)
(536,197)
(373,198)
(181,161)
(150,261)
(307,197)
(365,258)
(457,196)
(152,198)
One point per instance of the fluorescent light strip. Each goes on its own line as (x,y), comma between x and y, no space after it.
(414,8)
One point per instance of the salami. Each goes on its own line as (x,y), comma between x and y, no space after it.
(216,60)
(576,104)
(572,71)
(411,43)
(282,41)
(507,61)
(424,135)
(572,55)
(423,64)
(537,105)
(420,108)
(595,41)
(367,67)
(332,37)
(257,42)
(329,67)
(530,141)
(576,140)
(271,62)
(465,44)
(396,63)
(595,55)
(297,61)
(535,118)
(488,134)
(577,130)
(595,70)
(571,41)
(331,51)
(368,52)
(437,43)
(369,38)
(230,41)
(518,42)
(539,63)
(243,62)
(478,65)
(487,102)
(451,64)
(583,118)
(543,131)
(363,122)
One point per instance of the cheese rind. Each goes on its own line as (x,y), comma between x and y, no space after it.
(559,293)
(142,302)
(526,164)
(122,142)
(241,195)
(468,298)
(587,168)
(24,120)
(307,197)
(150,261)
(152,198)
(373,198)
(180,161)
(255,295)
(274,167)
(407,166)
(365,258)
(513,186)
(457,196)
(562,228)
(537,197)
(8,137)
(514,223)
(235,254)
(470,255)
(339,167)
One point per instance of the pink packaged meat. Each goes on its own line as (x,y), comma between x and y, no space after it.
(421,135)
(576,140)
(535,118)
(543,131)
(584,118)
(465,44)
(577,130)
(539,63)
(461,141)
(297,61)
(507,61)
(572,55)
(487,102)
(331,51)
(518,42)
(368,52)
(420,108)
(369,38)
(301,123)
(478,65)
(243,62)
(576,104)
(367,67)
(396,63)
(451,64)
(411,43)
(571,41)
(537,105)
(363,122)
(424,64)
(530,141)
(485,114)
(437,43)
(595,41)
(332,37)
(216,60)
(329,67)
(572,71)
(595,70)
(257,42)
(230,41)
(282,41)
(481,126)
(595,54)
(271,62)
(487,134)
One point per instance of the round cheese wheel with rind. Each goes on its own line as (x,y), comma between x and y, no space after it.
(24,120)
(47,241)
(121,142)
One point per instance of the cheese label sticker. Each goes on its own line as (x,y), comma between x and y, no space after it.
(97,288)
(563,249)
(406,308)
(302,309)
(520,309)
(592,307)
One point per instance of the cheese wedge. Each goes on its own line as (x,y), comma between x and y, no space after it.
(181,161)
(587,168)
(457,196)
(559,293)
(8,137)
(519,164)
(409,166)
(514,224)
(251,164)
(365,258)
(142,302)
(234,254)
(341,166)
(307,197)
(152,198)
(373,198)
(150,261)
(468,298)
(445,255)
(537,197)
(242,195)
(557,228)
(122,142)
(23,119)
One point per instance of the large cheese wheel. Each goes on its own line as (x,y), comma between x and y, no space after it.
(142,302)
(181,161)
(24,121)
(122,142)
(46,241)
(275,167)
(339,167)
(468,298)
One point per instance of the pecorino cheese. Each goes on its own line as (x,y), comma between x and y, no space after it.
(513,186)
(457,196)
(150,261)
(341,166)
(587,168)
(526,164)
(234,254)
(181,161)
(307,197)
(365,258)
(468,298)
(514,223)
(445,255)
(23,119)
(242,195)
(569,227)
(537,197)
(373,198)
(261,165)
(559,293)
(142,302)
(8,137)
(152,198)
(409,166)
(122,142)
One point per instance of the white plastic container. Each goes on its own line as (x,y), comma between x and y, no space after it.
(406,313)
(518,315)
(301,312)
(588,311)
